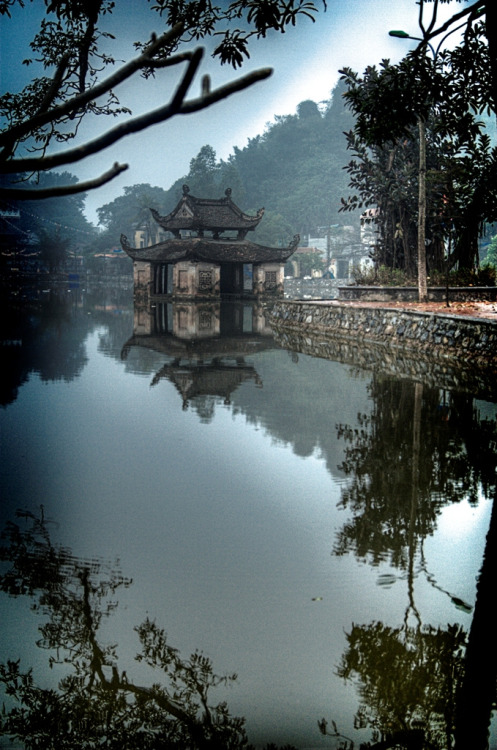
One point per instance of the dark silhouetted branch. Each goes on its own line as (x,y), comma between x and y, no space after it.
(19,194)
(76,103)
(138,124)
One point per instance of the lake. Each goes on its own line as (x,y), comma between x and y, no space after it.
(315,526)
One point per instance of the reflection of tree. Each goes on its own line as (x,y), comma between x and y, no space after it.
(412,455)
(97,704)
(407,680)
(47,335)
(424,687)
(477,697)
(48,342)
(419,686)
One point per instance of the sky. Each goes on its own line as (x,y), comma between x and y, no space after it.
(305,60)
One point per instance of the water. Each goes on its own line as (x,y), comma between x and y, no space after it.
(310,525)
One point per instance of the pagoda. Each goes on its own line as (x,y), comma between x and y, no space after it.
(207,254)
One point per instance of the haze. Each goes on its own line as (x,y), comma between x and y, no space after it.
(306,61)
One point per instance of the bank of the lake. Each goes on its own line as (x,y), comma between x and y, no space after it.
(461,338)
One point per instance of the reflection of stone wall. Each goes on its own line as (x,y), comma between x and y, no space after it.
(402,365)
(460,338)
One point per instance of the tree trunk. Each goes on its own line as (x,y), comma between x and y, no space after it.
(422,284)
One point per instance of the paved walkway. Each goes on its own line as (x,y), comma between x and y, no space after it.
(487,310)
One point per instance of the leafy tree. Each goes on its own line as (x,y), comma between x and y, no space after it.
(274,230)
(96,703)
(203,172)
(431,103)
(126,212)
(491,257)
(308,262)
(295,168)
(61,216)
(71,42)
(54,250)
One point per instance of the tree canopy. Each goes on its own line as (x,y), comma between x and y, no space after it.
(74,54)
(433,98)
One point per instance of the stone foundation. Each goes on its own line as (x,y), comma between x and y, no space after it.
(457,338)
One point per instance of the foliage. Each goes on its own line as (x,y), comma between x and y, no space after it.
(71,43)
(308,262)
(53,250)
(260,175)
(381,276)
(446,93)
(61,216)
(129,210)
(385,276)
(407,679)
(294,170)
(96,704)
(483,276)
(491,257)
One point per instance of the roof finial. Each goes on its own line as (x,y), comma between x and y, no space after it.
(186,189)
(227,192)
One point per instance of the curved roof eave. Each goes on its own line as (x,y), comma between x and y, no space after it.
(210,251)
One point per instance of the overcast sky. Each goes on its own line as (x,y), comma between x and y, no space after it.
(306,61)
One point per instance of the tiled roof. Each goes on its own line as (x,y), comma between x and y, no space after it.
(209,250)
(210,214)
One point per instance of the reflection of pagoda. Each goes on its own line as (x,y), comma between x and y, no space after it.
(218,378)
(198,262)
(205,344)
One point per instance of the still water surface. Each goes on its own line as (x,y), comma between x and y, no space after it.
(305,523)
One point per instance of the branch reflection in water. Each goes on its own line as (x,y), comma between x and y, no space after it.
(419,446)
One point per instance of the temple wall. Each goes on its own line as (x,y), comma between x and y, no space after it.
(268,278)
(142,279)
(196,279)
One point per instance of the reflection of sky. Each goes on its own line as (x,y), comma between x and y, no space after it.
(306,60)
(226,532)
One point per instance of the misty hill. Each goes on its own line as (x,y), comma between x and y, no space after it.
(294,169)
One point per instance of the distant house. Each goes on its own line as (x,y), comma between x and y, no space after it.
(207,254)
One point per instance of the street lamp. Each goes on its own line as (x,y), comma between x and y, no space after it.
(422,280)
(404,35)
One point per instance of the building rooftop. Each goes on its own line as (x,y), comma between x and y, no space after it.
(213,215)
(209,250)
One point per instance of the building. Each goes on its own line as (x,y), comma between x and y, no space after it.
(207,253)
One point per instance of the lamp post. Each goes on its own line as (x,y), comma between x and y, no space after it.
(422,280)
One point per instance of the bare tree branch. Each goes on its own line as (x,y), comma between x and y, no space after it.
(477,6)
(211,97)
(140,123)
(19,194)
(142,61)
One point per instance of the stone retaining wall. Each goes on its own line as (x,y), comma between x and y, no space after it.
(458,338)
